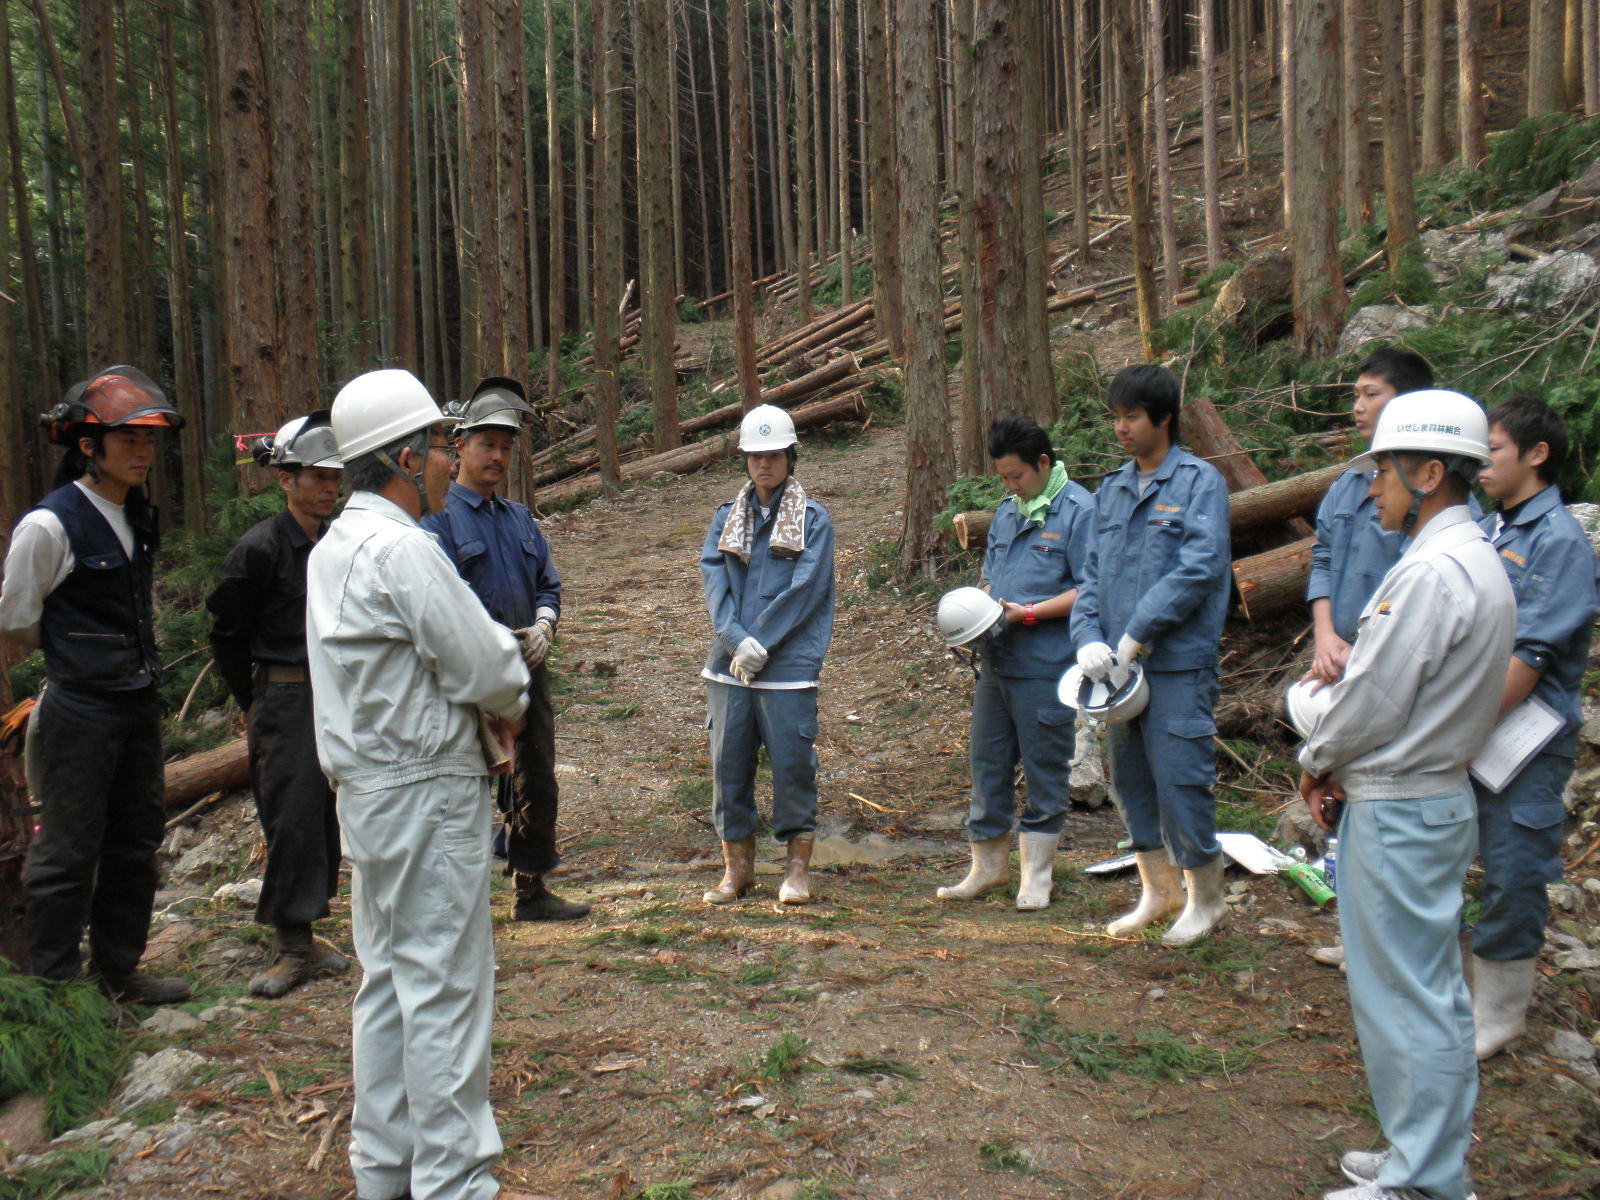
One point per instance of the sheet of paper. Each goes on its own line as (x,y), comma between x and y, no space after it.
(1251,853)
(1521,733)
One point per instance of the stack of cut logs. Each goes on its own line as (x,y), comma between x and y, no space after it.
(1271,581)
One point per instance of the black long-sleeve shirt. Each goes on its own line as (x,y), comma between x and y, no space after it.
(260,603)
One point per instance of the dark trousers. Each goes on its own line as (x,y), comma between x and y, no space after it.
(531,825)
(95,764)
(296,807)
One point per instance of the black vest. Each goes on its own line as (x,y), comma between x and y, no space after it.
(98,628)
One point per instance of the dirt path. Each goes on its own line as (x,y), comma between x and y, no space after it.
(874,1044)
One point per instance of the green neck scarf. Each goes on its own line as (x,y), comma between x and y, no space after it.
(1035,509)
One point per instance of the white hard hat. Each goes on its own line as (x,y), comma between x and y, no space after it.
(304,442)
(1431,421)
(1306,709)
(498,403)
(967,613)
(766,427)
(378,409)
(1105,701)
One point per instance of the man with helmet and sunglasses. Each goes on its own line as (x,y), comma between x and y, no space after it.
(258,643)
(767,567)
(1385,757)
(502,554)
(78,582)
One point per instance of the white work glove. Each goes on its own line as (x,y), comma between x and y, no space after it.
(1096,660)
(1127,651)
(748,660)
(534,642)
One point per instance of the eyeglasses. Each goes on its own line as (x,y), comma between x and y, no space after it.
(447,447)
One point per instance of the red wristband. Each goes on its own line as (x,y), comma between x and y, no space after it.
(1027,615)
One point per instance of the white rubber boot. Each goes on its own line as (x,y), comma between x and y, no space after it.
(1162,895)
(1501,993)
(1204,908)
(991,862)
(1038,869)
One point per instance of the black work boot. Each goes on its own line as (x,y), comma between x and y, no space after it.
(137,987)
(290,966)
(535,902)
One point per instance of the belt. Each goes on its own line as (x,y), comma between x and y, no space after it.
(276,673)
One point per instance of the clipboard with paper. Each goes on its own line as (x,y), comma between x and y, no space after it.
(1520,734)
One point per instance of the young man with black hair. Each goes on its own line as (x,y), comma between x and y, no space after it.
(78,585)
(1038,547)
(258,642)
(1553,573)
(1386,757)
(767,570)
(1156,585)
(1352,551)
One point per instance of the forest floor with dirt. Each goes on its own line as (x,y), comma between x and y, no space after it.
(876,1043)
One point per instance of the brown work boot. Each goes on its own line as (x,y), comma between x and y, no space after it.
(290,966)
(137,987)
(796,886)
(535,902)
(739,872)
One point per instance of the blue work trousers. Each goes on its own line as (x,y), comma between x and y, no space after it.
(1519,839)
(1401,866)
(1164,763)
(1014,720)
(419,904)
(740,720)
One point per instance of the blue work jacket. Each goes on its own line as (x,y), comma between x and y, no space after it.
(500,551)
(1026,563)
(785,603)
(1557,584)
(1160,567)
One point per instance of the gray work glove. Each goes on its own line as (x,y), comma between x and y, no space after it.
(748,660)
(1096,660)
(534,642)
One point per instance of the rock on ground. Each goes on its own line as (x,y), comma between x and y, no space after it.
(156,1076)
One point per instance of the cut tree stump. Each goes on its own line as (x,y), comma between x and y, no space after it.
(972,528)
(1275,581)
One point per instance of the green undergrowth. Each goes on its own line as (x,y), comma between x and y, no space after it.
(58,1042)
(1145,1053)
(59,1173)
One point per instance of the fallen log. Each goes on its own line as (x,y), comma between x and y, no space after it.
(972,528)
(697,456)
(219,770)
(1275,581)
(1209,437)
(815,334)
(1270,503)
(880,349)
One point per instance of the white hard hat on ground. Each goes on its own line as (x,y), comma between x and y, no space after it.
(1430,421)
(1119,697)
(967,613)
(378,409)
(766,427)
(304,442)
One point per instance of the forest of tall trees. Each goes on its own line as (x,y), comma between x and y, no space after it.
(255,200)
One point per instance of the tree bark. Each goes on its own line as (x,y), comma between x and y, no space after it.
(1546,27)
(1124,33)
(1281,500)
(883,185)
(556,306)
(1435,141)
(607,242)
(220,770)
(744,307)
(106,335)
(295,193)
(1319,295)
(1155,64)
(970,457)
(804,155)
(254,336)
(1469,85)
(841,153)
(357,318)
(930,456)
(1208,128)
(1399,199)
(658,303)
(1076,29)
(1290,138)
(1353,96)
